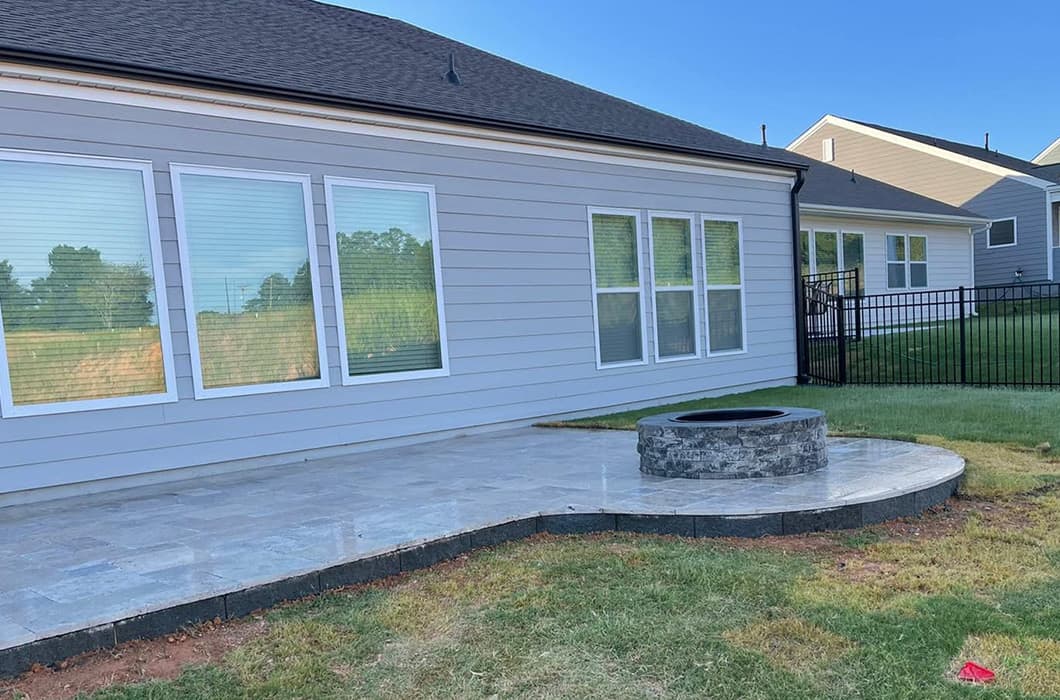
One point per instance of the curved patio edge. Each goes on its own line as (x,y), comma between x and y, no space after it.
(228,606)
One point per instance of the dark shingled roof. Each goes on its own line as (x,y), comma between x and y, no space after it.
(317,52)
(1045,172)
(832,186)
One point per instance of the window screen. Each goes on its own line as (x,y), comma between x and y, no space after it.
(385,247)
(896,262)
(826,251)
(617,287)
(672,269)
(78,289)
(854,259)
(721,247)
(250,278)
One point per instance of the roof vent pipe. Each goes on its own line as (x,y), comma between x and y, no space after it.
(451,75)
(853,178)
(986,141)
(764,135)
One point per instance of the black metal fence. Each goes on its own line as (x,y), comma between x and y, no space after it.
(1005,335)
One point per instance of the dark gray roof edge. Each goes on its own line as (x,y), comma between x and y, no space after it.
(956,213)
(191,80)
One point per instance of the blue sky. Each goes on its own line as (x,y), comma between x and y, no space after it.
(950,69)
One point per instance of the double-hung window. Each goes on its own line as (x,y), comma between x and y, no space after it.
(675,305)
(83,317)
(384,254)
(615,251)
(723,262)
(251,294)
(828,255)
(906,261)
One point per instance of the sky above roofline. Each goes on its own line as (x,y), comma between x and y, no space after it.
(732,66)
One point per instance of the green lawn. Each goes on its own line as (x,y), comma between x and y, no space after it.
(999,349)
(962,413)
(885,612)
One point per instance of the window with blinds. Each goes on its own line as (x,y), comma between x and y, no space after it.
(673,274)
(249,266)
(615,245)
(723,256)
(81,291)
(384,253)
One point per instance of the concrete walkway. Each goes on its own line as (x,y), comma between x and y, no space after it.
(74,563)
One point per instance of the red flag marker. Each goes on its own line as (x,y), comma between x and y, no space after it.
(975,673)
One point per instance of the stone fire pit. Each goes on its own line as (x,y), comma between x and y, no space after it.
(733,443)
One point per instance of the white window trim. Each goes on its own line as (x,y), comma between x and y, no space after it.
(707,286)
(693,288)
(635,213)
(8,408)
(1015,233)
(202,392)
(436,254)
(908,255)
(811,262)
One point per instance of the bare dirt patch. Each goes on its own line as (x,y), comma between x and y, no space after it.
(133,662)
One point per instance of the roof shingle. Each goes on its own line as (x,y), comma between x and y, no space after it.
(309,50)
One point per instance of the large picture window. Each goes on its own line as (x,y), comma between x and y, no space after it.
(250,290)
(82,296)
(723,255)
(614,245)
(673,274)
(384,247)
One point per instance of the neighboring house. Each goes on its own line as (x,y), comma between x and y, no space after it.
(898,240)
(250,232)
(1021,198)
(1049,156)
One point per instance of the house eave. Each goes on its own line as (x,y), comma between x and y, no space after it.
(992,168)
(890,215)
(198,81)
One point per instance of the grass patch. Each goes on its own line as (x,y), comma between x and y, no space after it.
(791,643)
(1029,665)
(1022,417)
(996,470)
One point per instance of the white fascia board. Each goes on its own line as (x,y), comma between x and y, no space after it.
(992,168)
(37,80)
(890,215)
(1038,158)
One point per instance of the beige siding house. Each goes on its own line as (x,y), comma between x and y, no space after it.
(898,241)
(1020,198)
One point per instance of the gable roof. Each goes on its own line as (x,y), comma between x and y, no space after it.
(831,187)
(977,152)
(1049,155)
(322,53)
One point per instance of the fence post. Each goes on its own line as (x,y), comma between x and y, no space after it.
(841,337)
(964,360)
(857,304)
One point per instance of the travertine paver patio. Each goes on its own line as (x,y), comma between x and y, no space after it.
(72,563)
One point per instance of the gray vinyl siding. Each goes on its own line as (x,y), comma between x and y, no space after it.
(983,193)
(515,269)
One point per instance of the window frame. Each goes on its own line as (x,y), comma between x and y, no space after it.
(926,262)
(694,288)
(1015,233)
(202,392)
(707,286)
(8,407)
(640,290)
(330,181)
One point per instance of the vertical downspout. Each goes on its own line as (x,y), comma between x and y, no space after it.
(802,371)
